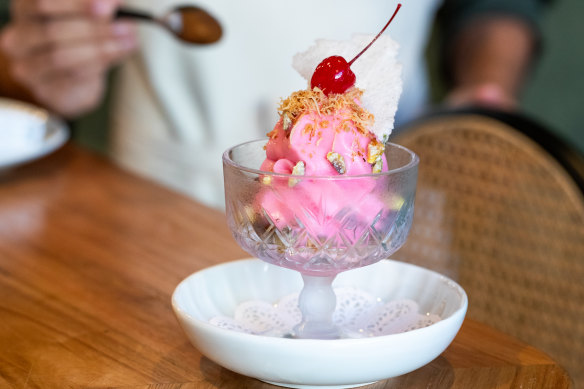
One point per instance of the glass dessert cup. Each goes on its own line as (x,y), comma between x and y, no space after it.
(318,225)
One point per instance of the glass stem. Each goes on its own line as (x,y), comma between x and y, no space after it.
(317,302)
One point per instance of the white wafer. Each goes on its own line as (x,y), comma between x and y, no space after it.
(377,71)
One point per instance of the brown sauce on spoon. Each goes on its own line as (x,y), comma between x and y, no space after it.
(197,26)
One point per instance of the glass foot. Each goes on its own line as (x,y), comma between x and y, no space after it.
(317,302)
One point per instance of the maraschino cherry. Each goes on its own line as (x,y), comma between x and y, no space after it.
(334,74)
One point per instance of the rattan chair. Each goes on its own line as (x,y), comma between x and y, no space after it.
(500,208)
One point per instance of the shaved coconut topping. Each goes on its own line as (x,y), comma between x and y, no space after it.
(377,70)
(304,100)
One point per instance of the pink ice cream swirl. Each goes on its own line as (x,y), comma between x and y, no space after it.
(319,137)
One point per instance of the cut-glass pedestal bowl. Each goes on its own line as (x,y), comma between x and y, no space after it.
(318,225)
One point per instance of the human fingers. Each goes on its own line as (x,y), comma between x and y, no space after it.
(43,9)
(38,67)
(22,39)
(71,96)
(90,70)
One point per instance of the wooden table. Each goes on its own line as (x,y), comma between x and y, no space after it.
(89,257)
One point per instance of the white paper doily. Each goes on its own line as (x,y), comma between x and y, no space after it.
(358,313)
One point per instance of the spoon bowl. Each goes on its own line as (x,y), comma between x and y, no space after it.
(190,24)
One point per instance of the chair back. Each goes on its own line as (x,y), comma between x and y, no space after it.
(500,214)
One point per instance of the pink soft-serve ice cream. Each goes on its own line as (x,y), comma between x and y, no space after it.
(322,132)
(323,136)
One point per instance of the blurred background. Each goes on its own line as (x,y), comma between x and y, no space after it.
(554,94)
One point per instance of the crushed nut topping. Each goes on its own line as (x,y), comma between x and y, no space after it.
(377,166)
(298,170)
(375,150)
(337,161)
(286,121)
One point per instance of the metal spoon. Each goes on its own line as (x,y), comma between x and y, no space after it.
(190,24)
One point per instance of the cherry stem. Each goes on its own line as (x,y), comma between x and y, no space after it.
(374,39)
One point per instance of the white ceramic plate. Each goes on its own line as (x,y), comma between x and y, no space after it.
(310,363)
(28,133)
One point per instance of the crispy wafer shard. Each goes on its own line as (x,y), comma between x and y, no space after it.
(337,161)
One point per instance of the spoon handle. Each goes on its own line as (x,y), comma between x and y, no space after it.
(132,14)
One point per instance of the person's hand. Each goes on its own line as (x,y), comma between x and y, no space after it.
(60,50)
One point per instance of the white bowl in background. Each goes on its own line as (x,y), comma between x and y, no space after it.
(306,363)
(28,132)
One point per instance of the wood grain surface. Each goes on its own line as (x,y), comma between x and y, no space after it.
(89,257)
